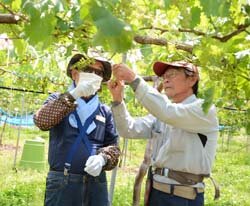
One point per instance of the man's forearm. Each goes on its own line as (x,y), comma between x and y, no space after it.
(111,155)
(54,111)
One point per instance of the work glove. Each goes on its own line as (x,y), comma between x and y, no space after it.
(94,165)
(88,84)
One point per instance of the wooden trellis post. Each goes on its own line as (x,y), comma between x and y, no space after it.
(4,125)
(18,134)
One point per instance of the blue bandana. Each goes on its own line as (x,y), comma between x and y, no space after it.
(84,110)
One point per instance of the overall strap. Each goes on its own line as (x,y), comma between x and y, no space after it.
(81,136)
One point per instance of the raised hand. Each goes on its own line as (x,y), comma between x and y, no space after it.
(123,72)
(116,89)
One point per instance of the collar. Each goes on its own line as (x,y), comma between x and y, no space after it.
(189,99)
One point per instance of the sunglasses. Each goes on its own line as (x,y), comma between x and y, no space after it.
(90,69)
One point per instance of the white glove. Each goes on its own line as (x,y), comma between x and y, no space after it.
(87,85)
(94,165)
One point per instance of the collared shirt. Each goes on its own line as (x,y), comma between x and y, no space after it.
(174,129)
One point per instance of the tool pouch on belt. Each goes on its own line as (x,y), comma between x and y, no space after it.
(148,186)
(192,179)
(185,178)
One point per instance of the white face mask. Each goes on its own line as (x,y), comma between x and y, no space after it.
(91,79)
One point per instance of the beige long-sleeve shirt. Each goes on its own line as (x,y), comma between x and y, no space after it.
(174,129)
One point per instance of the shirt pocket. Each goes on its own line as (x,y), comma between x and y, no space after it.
(99,132)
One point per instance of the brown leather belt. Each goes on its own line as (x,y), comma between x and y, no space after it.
(181,177)
(186,178)
(178,190)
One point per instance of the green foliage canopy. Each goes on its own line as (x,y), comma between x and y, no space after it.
(40,36)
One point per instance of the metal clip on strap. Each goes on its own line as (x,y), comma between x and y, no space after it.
(66,169)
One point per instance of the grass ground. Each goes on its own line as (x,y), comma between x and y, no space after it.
(25,187)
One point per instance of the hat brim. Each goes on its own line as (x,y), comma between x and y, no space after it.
(160,67)
(106,66)
(107,70)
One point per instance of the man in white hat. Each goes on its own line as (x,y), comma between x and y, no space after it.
(184,137)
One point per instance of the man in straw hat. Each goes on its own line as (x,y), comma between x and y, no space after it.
(184,137)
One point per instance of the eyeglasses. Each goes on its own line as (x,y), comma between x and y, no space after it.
(171,73)
(90,69)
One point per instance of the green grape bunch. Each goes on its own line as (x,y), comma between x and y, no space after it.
(83,62)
